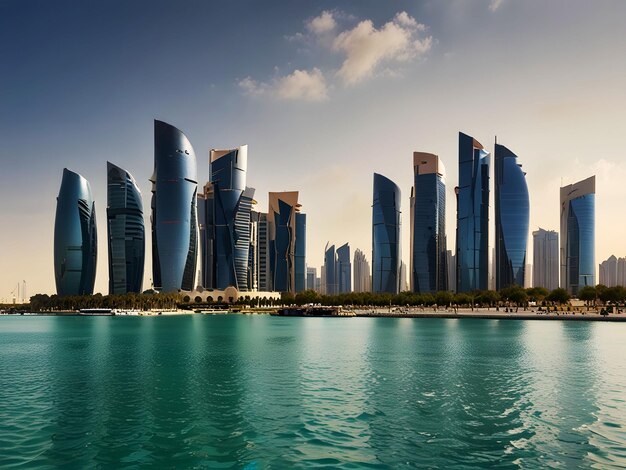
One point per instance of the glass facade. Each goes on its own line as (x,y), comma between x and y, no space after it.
(578,265)
(126,233)
(228,205)
(428,225)
(512,212)
(472,237)
(300,254)
(174,213)
(282,232)
(330,270)
(344,269)
(75,237)
(386,243)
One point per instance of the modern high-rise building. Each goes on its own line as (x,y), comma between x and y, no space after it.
(344,269)
(386,242)
(577,251)
(311,277)
(451,262)
(75,237)
(546,259)
(472,232)
(283,232)
(227,208)
(330,270)
(126,232)
(428,269)
(621,272)
(362,273)
(404,285)
(264,275)
(300,253)
(512,213)
(175,229)
(608,272)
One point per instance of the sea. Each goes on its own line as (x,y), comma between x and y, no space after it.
(264,392)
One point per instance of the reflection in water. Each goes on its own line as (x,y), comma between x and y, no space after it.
(256,392)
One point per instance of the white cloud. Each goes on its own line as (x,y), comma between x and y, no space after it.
(495,4)
(322,24)
(300,85)
(366,47)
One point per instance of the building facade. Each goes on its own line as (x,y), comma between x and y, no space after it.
(344,269)
(311,277)
(577,250)
(386,242)
(75,237)
(126,232)
(610,274)
(282,233)
(512,214)
(175,229)
(472,236)
(361,272)
(330,270)
(300,253)
(546,259)
(428,267)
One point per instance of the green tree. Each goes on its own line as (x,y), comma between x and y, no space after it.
(588,294)
(559,295)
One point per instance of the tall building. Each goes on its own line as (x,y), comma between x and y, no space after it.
(546,259)
(451,262)
(300,253)
(404,285)
(512,213)
(126,232)
(621,272)
(175,229)
(386,242)
(362,276)
(311,277)
(577,251)
(608,272)
(428,225)
(472,232)
(282,231)
(264,275)
(227,205)
(344,269)
(75,237)
(330,270)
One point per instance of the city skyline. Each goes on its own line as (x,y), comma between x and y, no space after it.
(564,128)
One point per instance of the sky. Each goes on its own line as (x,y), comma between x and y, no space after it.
(325,93)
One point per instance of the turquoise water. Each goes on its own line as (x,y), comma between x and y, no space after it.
(266,392)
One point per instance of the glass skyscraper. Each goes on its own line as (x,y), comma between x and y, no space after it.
(546,259)
(386,244)
(300,253)
(282,233)
(75,237)
(344,269)
(174,213)
(227,205)
(577,251)
(512,212)
(472,236)
(428,225)
(330,270)
(126,233)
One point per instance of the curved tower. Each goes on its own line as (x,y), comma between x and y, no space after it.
(512,212)
(578,206)
(386,244)
(330,269)
(472,216)
(282,233)
(230,228)
(126,233)
(75,237)
(344,269)
(428,225)
(174,214)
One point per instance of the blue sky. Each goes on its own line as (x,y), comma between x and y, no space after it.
(324,93)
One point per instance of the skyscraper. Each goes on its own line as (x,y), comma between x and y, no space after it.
(300,253)
(344,269)
(311,277)
(282,227)
(228,204)
(126,232)
(428,272)
(577,249)
(75,237)
(386,243)
(174,214)
(330,270)
(512,212)
(608,272)
(362,273)
(546,259)
(472,232)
